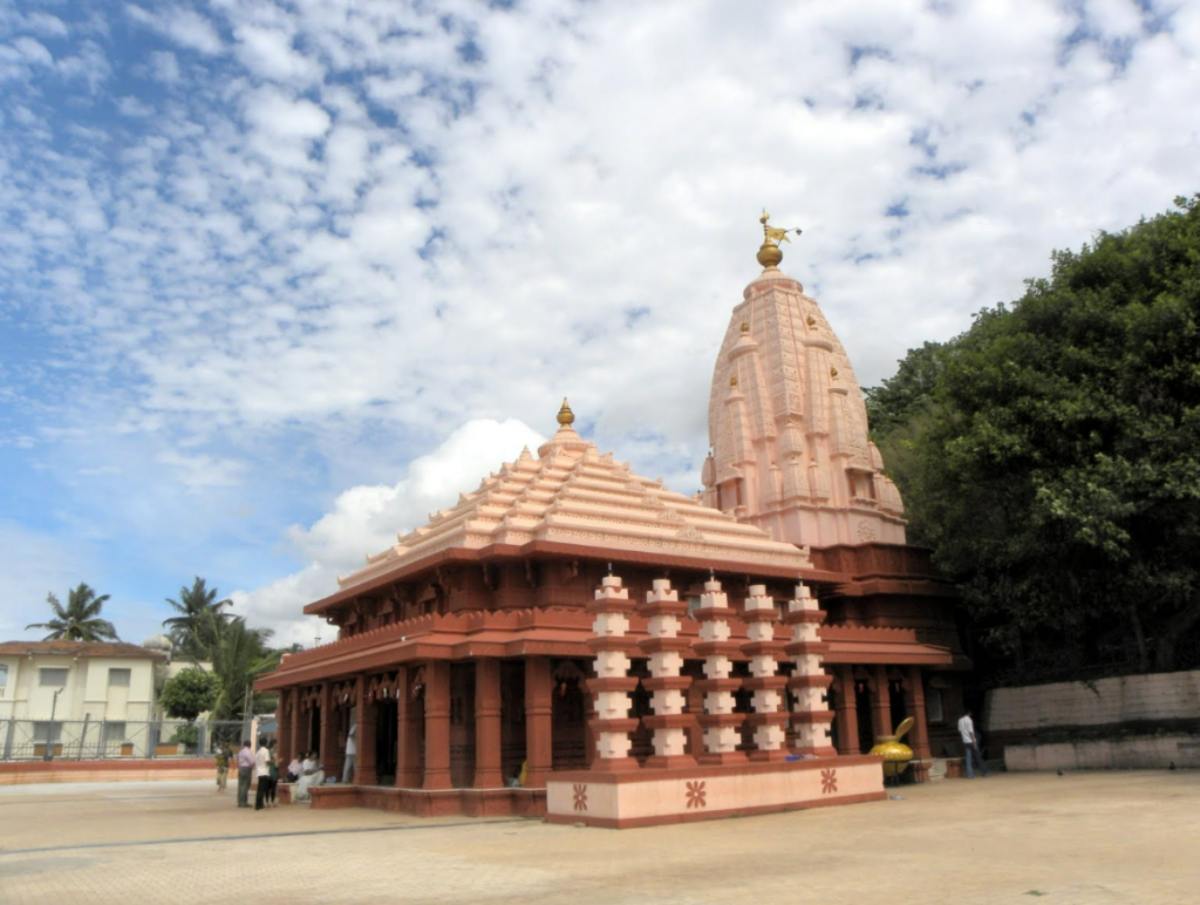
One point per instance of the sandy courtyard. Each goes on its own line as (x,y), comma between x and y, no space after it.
(1081,838)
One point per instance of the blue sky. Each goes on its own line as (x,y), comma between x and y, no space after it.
(278,279)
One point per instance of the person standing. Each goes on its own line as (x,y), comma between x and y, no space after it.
(222,758)
(245,765)
(262,772)
(966,729)
(351,752)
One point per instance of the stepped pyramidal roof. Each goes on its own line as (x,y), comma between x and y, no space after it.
(572,495)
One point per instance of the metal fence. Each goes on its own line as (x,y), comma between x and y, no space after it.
(90,739)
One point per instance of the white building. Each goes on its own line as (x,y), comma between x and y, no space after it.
(84,698)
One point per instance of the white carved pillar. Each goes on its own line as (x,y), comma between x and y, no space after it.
(610,688)
(769,718)
(720,723)
(664,649)
(812,716)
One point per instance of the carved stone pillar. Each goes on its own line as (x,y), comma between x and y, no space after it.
(297,738)
(364,736)
(539,727)
(330,756)
(664,649)
(914,696)
(769,719)
(881,703)
(408,733)
(283,732)
(611,723)
(720,723)
(812,715)
(487,724)
(437,725)
(847,711)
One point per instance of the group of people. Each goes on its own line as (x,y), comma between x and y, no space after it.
(253,767)
(305,772)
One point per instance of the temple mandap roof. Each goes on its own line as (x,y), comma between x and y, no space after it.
(573,497)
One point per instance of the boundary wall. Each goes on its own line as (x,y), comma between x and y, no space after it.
(1126,722)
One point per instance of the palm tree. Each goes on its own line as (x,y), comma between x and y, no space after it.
(80,619)
(196,631)
(239,658)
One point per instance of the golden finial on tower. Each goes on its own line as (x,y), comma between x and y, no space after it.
(769,253)
(566,417)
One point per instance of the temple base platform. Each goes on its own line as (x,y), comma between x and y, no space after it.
(649,796)
(503,802)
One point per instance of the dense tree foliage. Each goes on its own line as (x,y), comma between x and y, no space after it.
(189,693)
(80,619)
(241,656)
(1051,456)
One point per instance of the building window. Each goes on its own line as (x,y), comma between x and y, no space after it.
(118,678)
(52,677)
(114,733)
(3,677)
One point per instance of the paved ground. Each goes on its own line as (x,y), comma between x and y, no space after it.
(1081,838)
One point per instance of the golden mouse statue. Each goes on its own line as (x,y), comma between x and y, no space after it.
(896,755)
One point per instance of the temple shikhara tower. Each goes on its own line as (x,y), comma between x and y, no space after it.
(572,639)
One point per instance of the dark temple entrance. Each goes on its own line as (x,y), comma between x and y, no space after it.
(386,728)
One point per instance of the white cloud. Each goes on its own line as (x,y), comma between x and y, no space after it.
(184,26)
(368,518)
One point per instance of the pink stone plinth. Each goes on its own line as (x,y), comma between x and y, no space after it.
(648,797)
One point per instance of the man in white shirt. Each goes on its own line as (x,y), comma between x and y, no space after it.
(245,765)
(262,773)
(966,729)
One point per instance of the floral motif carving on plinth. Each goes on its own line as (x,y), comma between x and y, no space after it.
(696,794)
(579,790)
(829,781)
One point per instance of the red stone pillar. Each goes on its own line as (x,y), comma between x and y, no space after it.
(297,740)
(408,734)
(437,725)
(695,706)
(539,744)
(329,756)
(487,724)
(881,706)
(914,697)
(847,708)
(364,736)
(283,722)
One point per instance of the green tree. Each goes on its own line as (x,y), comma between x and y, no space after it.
(196,631)
(80,619)
(1053,460)
(240,657)
(189,693)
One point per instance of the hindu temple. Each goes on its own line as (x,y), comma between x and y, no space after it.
(574,639)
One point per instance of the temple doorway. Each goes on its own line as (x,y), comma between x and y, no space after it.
(386,728)
(314,730)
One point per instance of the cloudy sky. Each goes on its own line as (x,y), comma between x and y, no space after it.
(277,279)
